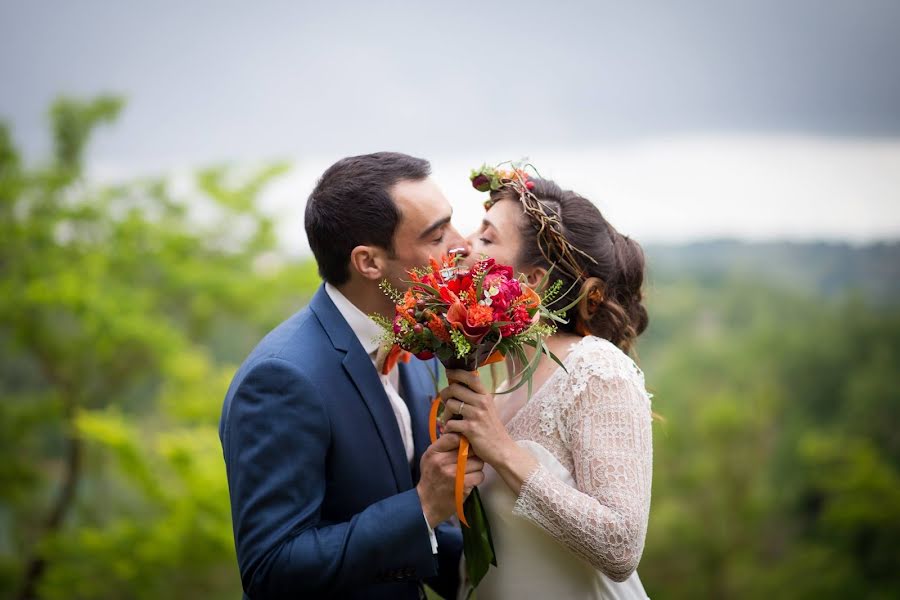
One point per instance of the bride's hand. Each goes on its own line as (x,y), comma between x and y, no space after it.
(481,424)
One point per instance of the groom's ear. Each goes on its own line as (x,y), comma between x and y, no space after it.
(369,261)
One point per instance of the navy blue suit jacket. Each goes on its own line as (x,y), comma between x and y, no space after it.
(323,501)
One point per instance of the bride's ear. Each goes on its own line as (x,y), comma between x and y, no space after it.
(534,276)
(592,294)
(368,261)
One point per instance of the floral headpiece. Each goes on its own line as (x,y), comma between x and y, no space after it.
(551,238)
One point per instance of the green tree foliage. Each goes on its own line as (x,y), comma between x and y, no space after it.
(777,469)
(124,310)
(122,316)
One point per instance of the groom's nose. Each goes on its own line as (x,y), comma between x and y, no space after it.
(459,244)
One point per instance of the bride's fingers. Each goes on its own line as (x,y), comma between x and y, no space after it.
(454,375)
(453,406)
(474,464)
(469,379)
(457,426)
(473,479)
(450,391)
(461,392)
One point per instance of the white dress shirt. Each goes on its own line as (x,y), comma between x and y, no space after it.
(368,333)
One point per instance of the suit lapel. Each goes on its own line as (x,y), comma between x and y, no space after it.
(417,390)
(362,373)
(361,370)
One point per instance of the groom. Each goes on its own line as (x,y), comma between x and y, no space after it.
(335,491)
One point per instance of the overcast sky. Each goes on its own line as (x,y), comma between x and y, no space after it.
(641,105)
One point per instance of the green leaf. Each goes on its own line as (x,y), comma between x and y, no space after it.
(478,543)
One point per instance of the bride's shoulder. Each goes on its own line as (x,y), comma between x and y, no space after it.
(596,369)
(595,357)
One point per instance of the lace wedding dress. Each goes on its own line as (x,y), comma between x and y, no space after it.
(577,528)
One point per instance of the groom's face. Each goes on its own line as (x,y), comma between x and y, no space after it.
(424,230)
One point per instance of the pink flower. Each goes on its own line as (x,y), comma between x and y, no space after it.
(501,290)
(493,268)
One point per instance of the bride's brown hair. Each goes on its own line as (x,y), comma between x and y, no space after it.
(612,265)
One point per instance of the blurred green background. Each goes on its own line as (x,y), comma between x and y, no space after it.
(123,317)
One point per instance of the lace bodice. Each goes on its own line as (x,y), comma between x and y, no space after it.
(596,421)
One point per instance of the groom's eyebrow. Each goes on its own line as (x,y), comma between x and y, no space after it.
(434,227)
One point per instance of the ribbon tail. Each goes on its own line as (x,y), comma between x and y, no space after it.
(432,419)
(461,459)
(495,357)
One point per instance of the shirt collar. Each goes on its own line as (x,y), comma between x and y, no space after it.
(366,330)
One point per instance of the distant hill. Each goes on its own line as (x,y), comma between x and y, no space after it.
(831,269)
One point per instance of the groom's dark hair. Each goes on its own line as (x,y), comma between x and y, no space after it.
(351,205)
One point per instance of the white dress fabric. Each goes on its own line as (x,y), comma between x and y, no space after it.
(577,528)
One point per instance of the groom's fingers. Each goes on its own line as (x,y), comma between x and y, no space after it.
(446,443)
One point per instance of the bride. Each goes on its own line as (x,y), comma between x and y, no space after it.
(567,489)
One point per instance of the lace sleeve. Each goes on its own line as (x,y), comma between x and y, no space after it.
(607,427)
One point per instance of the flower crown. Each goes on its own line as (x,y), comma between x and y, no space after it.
(551,237)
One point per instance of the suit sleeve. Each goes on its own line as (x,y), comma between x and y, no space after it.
(276,439)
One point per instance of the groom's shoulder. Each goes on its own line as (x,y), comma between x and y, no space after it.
(298,340)
(297,348)
(288,355)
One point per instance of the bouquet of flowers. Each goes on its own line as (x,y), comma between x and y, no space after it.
(469,318)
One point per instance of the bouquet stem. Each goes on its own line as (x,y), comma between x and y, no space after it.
(478,544)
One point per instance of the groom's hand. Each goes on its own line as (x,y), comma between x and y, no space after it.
(436,486)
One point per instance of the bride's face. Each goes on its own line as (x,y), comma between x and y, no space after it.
(499,236)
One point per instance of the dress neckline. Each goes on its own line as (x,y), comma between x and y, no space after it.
(556,371)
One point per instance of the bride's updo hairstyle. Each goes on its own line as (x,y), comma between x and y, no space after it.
(611,264)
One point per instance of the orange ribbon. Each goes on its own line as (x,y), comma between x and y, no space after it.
(462,456)
(395,355)
(432,418)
